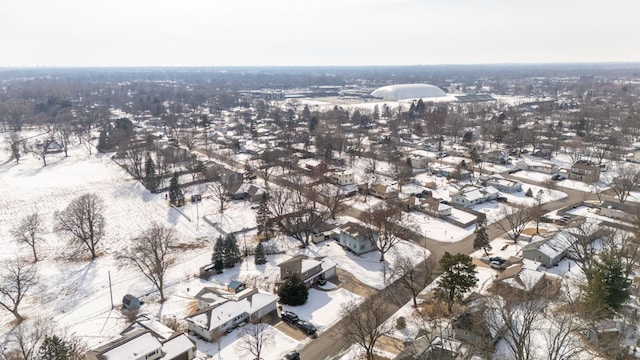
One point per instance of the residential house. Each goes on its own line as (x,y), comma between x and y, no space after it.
(502,184)
(548,249)
(495,157)
(519,278)
(615,210)
(417,161)
(384,191)
(249,192)
(431,206)
(249,305)
(357,238)
(307,269)
(315,167)
(141,344)
(473,195)
(428,348)
(584,171)
(342,177)
(537,166)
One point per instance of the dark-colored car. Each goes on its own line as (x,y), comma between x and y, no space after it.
(322,282)
(289,316)
(307,327)
(497,259)
(501,199)
(513,171)
(292,355)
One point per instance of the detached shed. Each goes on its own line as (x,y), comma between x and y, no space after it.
(130,302)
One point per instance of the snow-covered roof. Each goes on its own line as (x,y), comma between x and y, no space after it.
(176,346)
(552,246)
(230,309)
(133,349)
(519,277)
(408,91)
(308,264)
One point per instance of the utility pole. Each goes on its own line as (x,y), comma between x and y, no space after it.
(110,290)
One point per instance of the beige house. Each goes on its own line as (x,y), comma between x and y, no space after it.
(584,171)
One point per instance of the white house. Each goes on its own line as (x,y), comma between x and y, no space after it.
(504,185)
(431,206)
(342,177)
(537,166)
(548,250)
(473,195)
(221,317)
(357,238)
(143,344)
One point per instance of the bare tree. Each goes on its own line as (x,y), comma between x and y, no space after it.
(135,154)
(82,221)
(16,278)
(517,319)
(562,339)
(220,192)
(254,339)
(414,277)
(62,133)
(622,180)
(40,149)
(25,339)
(16,111)
(366,323)
(515,221)
(27,231)
(385,228)
(188,139)
(14,145)
(151,253)
(334,198)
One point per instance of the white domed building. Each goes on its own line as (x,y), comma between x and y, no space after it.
(408,91)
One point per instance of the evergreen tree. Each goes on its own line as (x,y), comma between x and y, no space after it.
(608,281)
(231,251)
(306,114)
(150,174)
(260,257)
(102,141)
(481,240)
(262,218)
(218,255)
(529,193)
(54,348)
(174,188)
(458,276)
(376,113)
(293,292)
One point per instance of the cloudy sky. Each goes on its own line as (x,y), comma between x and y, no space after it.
(315,32)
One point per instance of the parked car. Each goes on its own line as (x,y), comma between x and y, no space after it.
(513,171)
(495,265)
(307,327)
(501,199)
(289,316)
(322,281)
(497,259)
(292,355)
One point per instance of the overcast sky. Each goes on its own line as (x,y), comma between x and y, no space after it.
(315,32)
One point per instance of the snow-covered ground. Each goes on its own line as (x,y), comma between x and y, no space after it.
(74,295)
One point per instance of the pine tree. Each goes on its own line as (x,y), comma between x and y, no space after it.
(231,251)
(218,255)
(174,188)
(293,292)
(260,257)
(103,141)
(54,348)
(458,276)
(481,240)
(262,218)
(150,174)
